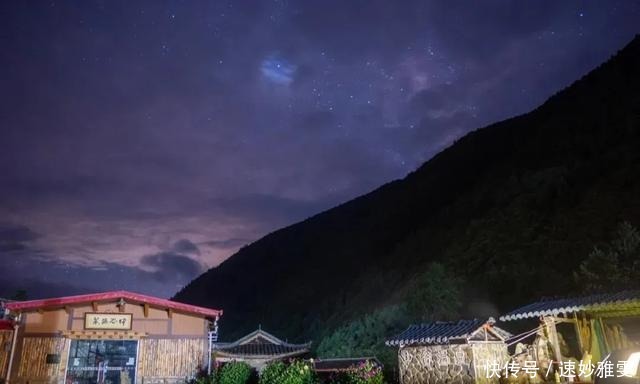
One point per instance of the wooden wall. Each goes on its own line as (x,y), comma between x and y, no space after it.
(156,321)
(5,348)
(33,367)
(161,360)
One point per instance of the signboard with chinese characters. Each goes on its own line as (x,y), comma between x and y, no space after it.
(112,321)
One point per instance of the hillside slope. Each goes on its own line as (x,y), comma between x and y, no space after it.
(512,208)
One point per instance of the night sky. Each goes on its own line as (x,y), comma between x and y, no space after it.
(144,142)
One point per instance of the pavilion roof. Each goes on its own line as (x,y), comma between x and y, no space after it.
(260,343)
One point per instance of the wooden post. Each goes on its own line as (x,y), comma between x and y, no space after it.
(12,351)
(604,336)
(578,334)
(550,323)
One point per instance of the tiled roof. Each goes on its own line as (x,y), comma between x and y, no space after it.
(260,343)
(342,364)
(446,332)
(596,303)
(262,349)
(60,302)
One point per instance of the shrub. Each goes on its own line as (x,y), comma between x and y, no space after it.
(297,372)
(339,378)
(235,372)
(366,373)
(273,373)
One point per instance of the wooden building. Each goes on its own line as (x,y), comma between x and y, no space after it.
(111,337)
(258,349)
(459,352)
(599,324)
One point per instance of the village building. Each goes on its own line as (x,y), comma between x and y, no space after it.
(460,352)
(257,349)
(113,337)
(580,329)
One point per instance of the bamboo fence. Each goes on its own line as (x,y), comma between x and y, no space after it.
(165,358)
(5,350)
(33,364)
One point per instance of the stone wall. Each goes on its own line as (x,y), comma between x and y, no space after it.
(438,364)
(450,364)
(485,358)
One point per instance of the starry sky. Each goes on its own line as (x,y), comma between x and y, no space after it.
(142,143)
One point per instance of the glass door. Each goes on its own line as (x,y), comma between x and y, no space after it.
(102,361)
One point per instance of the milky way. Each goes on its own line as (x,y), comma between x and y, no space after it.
(143,142)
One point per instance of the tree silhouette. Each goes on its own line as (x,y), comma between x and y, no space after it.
(614,266)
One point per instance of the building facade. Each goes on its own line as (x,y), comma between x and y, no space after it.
(112,337)
(462,352)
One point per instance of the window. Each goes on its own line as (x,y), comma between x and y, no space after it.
(102,361)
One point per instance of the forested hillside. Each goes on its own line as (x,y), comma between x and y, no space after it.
(510,211)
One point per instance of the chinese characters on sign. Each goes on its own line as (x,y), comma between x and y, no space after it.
(567,369)
(117,321)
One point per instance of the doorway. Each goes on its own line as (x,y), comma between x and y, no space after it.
(102,362)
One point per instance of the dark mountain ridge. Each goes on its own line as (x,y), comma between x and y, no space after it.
(512,208)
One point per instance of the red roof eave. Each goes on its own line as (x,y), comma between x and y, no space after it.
(112,295)
(6,325)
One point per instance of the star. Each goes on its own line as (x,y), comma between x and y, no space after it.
(277,70)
